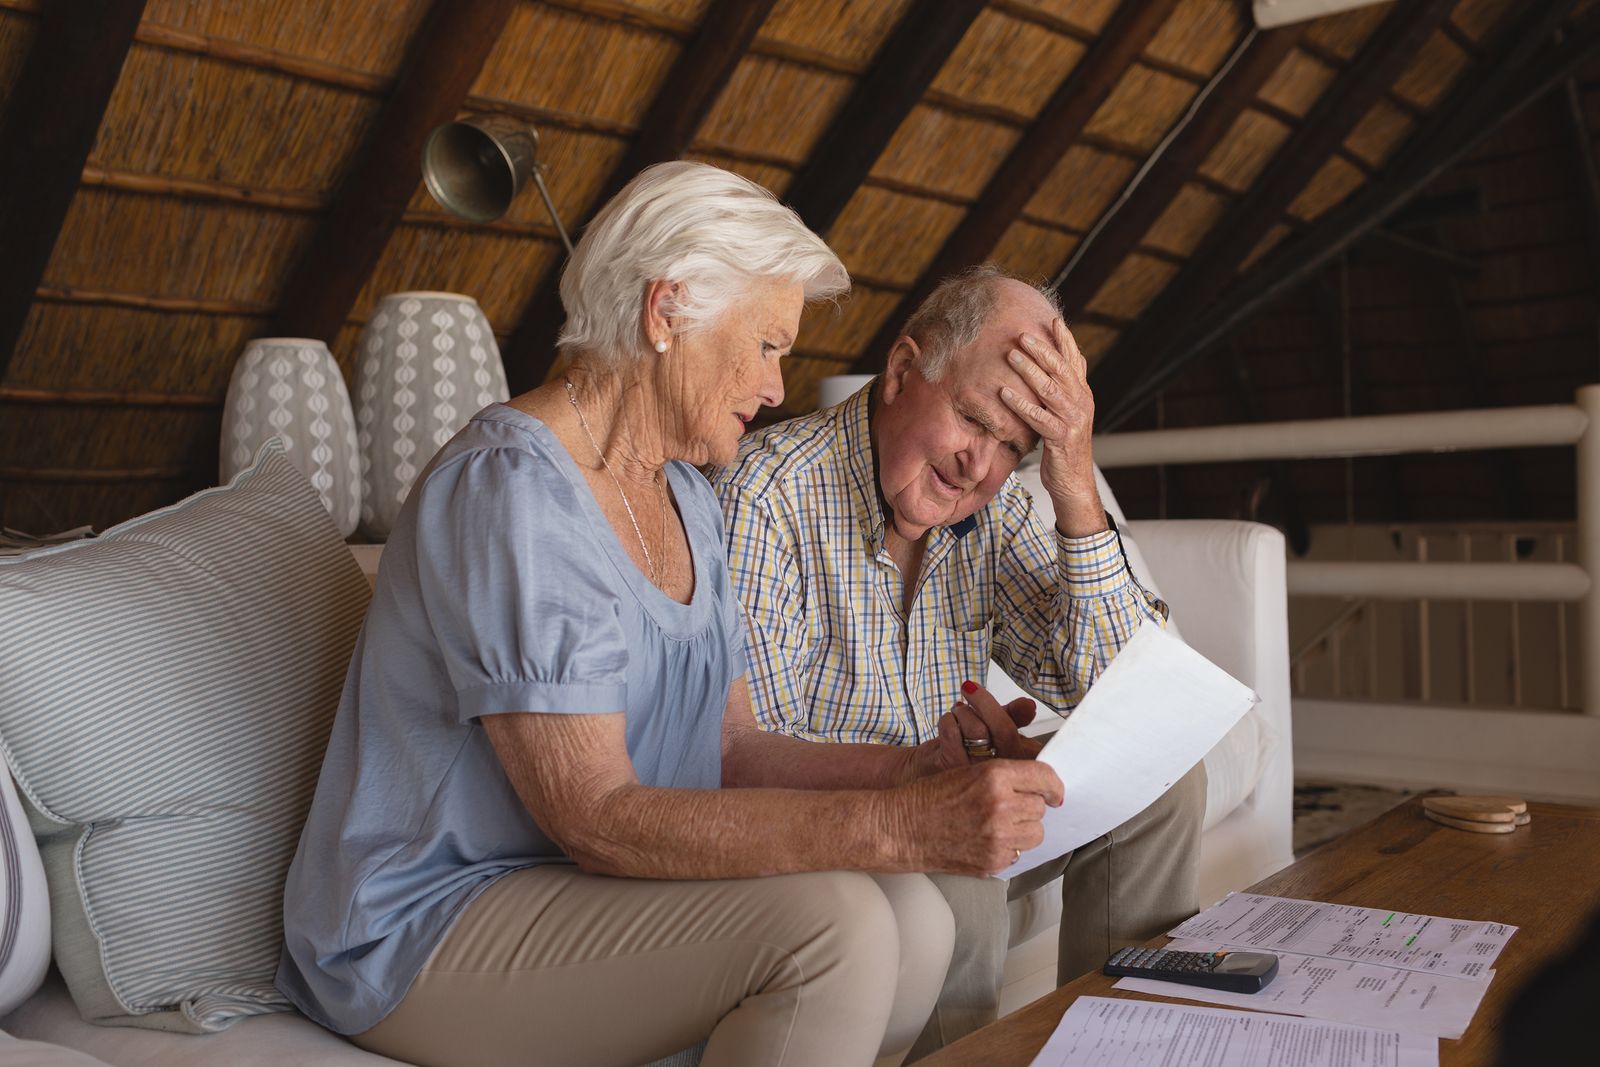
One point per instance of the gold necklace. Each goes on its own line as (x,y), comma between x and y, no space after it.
(572,396)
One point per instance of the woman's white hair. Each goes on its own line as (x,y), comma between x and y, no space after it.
(707,229)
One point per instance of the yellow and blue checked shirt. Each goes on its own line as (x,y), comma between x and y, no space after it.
(832,655)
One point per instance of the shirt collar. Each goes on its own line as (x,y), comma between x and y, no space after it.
(861,461)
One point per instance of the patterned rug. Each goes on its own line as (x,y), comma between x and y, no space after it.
(1324,810)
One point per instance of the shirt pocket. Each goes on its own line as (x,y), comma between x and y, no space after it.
(951,658)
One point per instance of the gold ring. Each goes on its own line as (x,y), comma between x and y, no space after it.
(986,752)
(977,742)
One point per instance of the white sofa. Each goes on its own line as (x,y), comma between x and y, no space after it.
(1225,583)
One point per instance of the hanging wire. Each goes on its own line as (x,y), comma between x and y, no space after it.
(1161,469)
(1154,158)
(1344,360)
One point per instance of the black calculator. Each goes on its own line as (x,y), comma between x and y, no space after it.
(1236,972)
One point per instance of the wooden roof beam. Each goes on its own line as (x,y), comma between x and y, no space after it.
(1522,75)
(685,98)
(901,72)
(1099,255)
(1335,115)
(49,127)
(1029,163)
(442,61)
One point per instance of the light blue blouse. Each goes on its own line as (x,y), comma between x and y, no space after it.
(502,589)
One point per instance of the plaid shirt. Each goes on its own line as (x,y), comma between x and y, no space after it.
(832,654)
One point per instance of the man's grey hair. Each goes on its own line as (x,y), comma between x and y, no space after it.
(710,230)
(955,312)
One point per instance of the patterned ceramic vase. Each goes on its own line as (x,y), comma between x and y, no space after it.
(290,388)
(426,363)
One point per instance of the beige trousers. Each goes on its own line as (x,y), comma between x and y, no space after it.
(553,966)
(1126,887)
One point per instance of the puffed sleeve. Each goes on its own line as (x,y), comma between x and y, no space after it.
(517,588)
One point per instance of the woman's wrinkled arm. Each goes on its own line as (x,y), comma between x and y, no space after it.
(573,774)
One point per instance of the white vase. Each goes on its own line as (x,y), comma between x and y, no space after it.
(291,388)
(426,363)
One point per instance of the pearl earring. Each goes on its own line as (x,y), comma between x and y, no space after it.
(661,346)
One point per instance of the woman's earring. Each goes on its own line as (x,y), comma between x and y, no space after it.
(661,346)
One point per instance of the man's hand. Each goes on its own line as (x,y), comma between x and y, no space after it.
(980,717)
(976,717)
(1059,376)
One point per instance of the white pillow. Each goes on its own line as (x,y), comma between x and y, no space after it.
(165,710)
(24,904)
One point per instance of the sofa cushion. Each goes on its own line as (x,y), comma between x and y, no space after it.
(279,1040)
(15,1053)
(164,711)
(24,904)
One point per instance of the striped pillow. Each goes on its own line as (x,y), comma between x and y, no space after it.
(165,697)
(24,905)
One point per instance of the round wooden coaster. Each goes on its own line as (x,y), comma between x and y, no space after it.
(1471,825)
(1477,808)
(1523,819)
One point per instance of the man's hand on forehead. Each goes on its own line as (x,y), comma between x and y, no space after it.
(1061,411)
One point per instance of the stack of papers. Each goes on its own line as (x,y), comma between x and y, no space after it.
(1102,1032)
(1415,974)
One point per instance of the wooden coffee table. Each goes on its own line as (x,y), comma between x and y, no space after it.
(1543,879)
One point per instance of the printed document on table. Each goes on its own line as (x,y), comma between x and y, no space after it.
(1459,948)
(1367,994)
(1150,716)
(1101,1032)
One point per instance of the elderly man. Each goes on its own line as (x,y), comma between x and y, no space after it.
(884,555)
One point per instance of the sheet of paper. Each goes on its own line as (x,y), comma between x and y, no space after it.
(1341,990)
(1151,715)
(1102,1032)
(1459,948)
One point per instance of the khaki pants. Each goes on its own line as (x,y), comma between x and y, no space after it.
(553,966)
(1126,887)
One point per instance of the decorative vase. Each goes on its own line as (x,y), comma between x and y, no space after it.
(291,388)
(426,363)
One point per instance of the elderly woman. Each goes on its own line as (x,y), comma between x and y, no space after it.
(525,846)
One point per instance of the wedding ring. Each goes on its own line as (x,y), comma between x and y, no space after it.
(979,748)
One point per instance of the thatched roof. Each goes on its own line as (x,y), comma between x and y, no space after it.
(235,183)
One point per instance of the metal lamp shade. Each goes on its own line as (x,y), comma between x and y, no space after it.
(426,363)
(291,388)
(475,167)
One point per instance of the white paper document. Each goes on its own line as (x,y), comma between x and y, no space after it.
(1102,1032)
(1458,948)
(1342,990)
(1151,716)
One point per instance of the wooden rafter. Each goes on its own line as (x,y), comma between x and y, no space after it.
(442,61)
(901,72)
(50,124)
(1104,252)
(1522,75)
(1361,85)
(1030,162)
(685,98)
